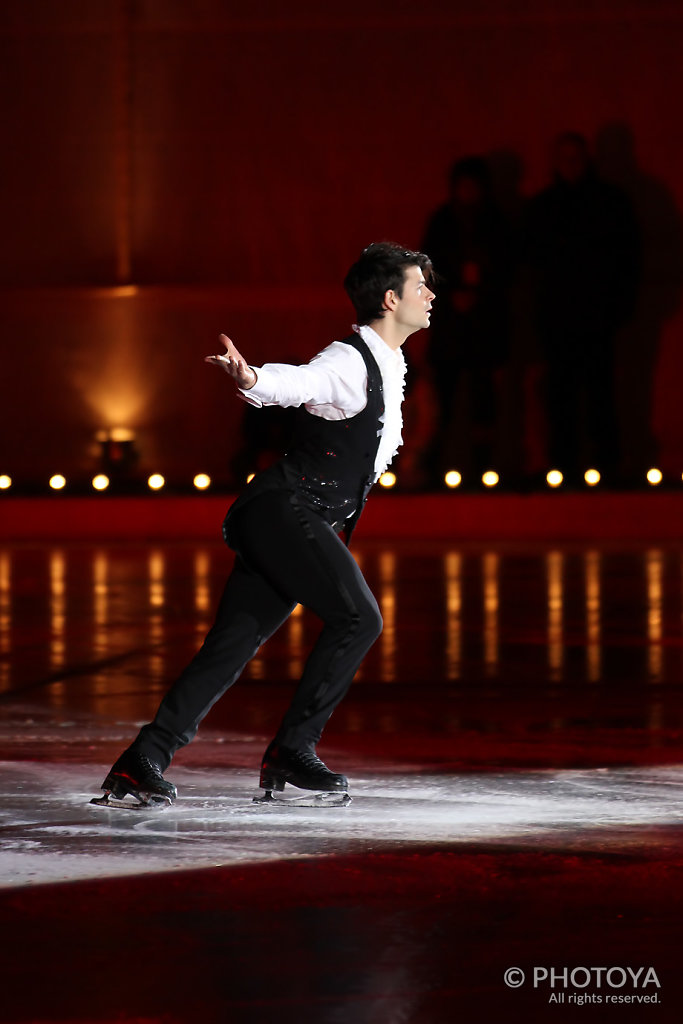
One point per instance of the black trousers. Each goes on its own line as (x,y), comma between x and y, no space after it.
(287,553)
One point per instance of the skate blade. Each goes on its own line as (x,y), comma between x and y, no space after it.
(306,800)
(134,804)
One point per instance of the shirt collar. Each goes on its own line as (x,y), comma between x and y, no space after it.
(385,355)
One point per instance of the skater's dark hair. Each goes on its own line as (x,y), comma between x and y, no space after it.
(381,268)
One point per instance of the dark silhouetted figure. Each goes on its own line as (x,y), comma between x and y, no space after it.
(584,246)
(659,292)
(468,239)
(266,434)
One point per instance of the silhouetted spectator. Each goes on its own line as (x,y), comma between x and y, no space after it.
(266,434)
(468,241)
(584,245)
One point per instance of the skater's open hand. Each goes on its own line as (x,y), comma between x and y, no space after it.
(233,363)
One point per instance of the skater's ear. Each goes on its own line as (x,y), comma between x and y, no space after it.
(391,300)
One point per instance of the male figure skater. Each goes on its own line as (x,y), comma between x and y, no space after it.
(285,529)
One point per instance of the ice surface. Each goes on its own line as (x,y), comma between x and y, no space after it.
(49,832)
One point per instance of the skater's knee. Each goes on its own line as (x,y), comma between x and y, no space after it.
(371,622)
(359,621)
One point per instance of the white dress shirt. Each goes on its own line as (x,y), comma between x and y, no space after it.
(334,385)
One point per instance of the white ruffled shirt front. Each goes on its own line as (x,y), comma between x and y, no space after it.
(334,385)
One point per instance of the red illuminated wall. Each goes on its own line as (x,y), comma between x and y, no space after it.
(171,169)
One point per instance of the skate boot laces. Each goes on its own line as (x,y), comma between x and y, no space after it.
(149,768)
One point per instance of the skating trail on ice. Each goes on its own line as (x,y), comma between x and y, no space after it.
(49,831)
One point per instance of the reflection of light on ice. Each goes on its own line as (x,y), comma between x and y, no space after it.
(202,591)
(155,622)
(654,569)
(387,602)
(100,590)
(100,614)
(554,562)
(453,569)
(57,609)
(490,565)
(256,668)
(156,570)
(592,568)
(5,618)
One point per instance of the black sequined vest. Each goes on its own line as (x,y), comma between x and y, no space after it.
(330,464)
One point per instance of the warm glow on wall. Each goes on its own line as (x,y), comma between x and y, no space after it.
(490,478)
(57,482)
(202,481)
(156,481)
(125,291)
(121,434)
(592,477)
(5,482)
(654,476)
(387,480)
(123,404)
(554,478)
(117,434)
(100,482)
(117,382)
(452,478)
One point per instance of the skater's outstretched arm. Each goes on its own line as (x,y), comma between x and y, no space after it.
(234,363)
(333,384)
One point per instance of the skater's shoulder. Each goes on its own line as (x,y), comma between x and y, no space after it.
(341,354)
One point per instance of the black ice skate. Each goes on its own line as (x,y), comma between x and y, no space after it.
(140,777)
(305,770)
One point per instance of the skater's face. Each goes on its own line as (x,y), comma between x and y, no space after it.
(412,309)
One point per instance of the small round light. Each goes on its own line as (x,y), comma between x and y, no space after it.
(592,477)
(57,482)
(202,481)
(490,478)
(654,476)
(452,478)
(387,480)
(250,477)
(554,478)
(5,482)
(100,482)
(156,481)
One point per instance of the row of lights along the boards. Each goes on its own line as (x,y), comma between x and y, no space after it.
(452,479)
